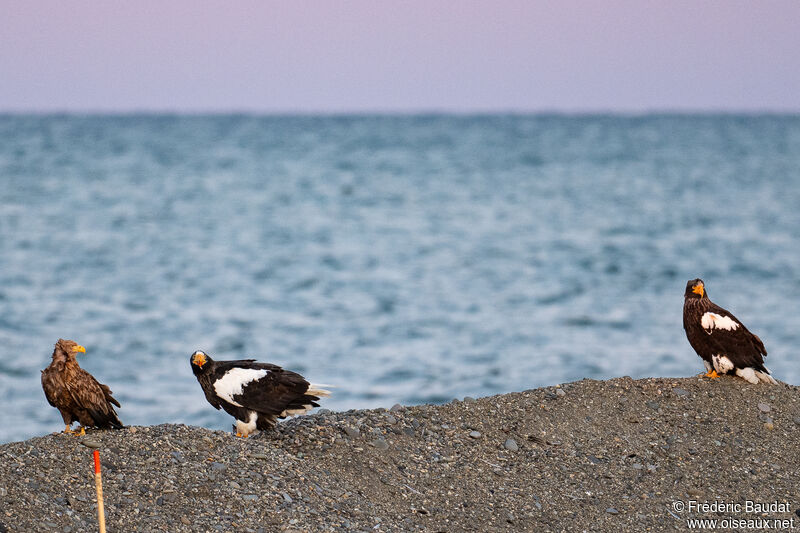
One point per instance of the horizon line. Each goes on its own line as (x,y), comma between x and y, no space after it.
(665,111)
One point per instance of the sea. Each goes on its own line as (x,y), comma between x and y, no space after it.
(397,258)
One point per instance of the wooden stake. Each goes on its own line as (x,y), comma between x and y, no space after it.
(98,483)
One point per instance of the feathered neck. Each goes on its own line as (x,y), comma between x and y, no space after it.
(61,356)
(697,302)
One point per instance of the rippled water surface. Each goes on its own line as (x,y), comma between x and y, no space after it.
(402,259)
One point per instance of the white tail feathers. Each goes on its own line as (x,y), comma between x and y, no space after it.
(293,412)
(316,389)
(766,377)
(755,376)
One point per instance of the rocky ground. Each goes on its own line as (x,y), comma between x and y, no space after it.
(586,456)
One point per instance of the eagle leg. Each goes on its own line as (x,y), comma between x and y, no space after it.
(242,435)
(68,430)
(713,374)
(81,433)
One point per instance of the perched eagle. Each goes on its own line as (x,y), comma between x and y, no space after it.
(255,394)
(75,393)
(720,339)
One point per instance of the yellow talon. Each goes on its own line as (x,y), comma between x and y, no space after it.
(713,374)
(82,432)
(68,430)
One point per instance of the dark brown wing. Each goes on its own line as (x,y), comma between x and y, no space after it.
(107,392)
(90,395)
(54,387)
(276,392)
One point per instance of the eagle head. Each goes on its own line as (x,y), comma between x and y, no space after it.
(69,347)
(695,289)
(199,360)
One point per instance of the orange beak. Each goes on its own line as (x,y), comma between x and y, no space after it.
(698,289)
(80,348)
(199,360)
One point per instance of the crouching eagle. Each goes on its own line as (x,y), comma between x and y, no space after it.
(255,394)
(720,339)
(75,393)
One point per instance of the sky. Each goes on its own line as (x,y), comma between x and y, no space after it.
(400,56)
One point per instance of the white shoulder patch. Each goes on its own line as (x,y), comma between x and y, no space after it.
(712,320)
(234,381)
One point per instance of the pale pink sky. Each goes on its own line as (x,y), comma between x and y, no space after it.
(399,56)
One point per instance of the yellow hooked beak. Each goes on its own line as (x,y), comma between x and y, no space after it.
(698,289)
(200,360)
(80,348)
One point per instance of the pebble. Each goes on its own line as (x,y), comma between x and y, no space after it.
(797,420)
(475,434)
(511,445)
(380,444)
(286,497)
(764,408)
(218,467)
(89,443)
(653,405)
(391,420)
(352,432)
(186,521)
(560,392)
(638,466)
(680,392)
(396,408)
(469,399)
(612,510)
(250,497)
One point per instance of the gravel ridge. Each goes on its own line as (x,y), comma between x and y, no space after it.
(585,456)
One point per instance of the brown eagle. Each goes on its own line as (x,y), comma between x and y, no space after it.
(75,392)
(255,394)
(720,339)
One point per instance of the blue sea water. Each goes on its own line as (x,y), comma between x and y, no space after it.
(400,258)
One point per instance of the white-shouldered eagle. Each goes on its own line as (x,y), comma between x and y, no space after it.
(255,394)
(720,339)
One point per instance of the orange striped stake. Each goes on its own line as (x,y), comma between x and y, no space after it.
(98,483)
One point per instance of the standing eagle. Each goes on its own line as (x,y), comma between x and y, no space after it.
(720,339)
(75,393)
(255,394)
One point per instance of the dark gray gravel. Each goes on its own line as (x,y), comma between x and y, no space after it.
(603,456)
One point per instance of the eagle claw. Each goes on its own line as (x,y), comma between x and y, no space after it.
(713,374)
